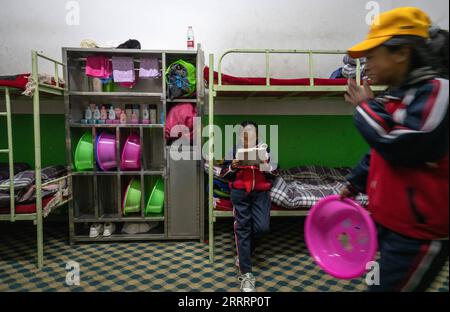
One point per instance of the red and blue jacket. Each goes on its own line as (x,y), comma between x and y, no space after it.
(405,174)
(249,178)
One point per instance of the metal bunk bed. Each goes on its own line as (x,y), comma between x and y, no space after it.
(63,182)
(218,89)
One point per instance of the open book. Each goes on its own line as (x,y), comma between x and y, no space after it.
(252,156)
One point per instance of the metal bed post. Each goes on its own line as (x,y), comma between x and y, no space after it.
(211,156)
(9,151)
(358,72)
(37,161)
(267,68)
(311,68)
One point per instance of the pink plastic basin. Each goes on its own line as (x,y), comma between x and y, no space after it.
(106,151)
(341,237)
(131,153)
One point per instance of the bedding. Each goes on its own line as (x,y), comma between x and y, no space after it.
(297,188)
(25,82)
(25,188)
(48,204)
(14,81)
(233,80)
(302,187)
(221,204)
(18,167)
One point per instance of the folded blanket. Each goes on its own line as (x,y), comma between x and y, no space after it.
(349,71)
(25,188)
(25,179)
(351,61)
(302,187)
(14,81)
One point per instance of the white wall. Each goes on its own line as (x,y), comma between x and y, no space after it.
(218,25)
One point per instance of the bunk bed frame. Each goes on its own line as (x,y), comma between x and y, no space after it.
(51,90)
(218,90)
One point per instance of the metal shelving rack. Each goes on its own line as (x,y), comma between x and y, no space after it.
(89,186)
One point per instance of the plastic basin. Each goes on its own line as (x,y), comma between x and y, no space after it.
(132,200)
(131,153)
(106,151)
(155,202)
(84,153)
(341,237)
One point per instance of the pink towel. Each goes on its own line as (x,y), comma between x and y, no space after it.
(98,66)
(123,69)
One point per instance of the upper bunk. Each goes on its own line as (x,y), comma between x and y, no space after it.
(26,84)
(232,86)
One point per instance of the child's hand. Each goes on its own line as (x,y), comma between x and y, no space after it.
(347,192)
(356,94)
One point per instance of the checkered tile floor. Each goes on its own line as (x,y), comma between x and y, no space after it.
(282,263)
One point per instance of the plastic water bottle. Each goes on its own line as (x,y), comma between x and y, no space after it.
(190,39)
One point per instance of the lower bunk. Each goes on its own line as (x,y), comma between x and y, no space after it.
(22,206)
(294,192)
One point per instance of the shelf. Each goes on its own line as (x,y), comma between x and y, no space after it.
(99,194)
(273,213)
(78,125)
(182,101)
(85,218)
(127,51)
(113,173)
(119,237)
(117,218)
(116,94)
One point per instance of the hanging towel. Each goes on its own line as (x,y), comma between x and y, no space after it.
(98,66)
(149,68)
(123,69)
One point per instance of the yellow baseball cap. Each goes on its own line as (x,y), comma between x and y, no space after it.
(400,21)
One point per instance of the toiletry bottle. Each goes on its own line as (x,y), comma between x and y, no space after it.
(134,118)
(123,118)
(162,117)
(145,114)
(111,115)
(136,111)
(96,114)
(103,113)
(88,113)
(118,112)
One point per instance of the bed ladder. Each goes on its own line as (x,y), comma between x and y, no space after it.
(9,151)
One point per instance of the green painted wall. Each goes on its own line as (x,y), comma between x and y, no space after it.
(303,140)
(307,140)
(52,140)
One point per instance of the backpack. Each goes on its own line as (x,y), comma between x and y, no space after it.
(181,114)
(181,79)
